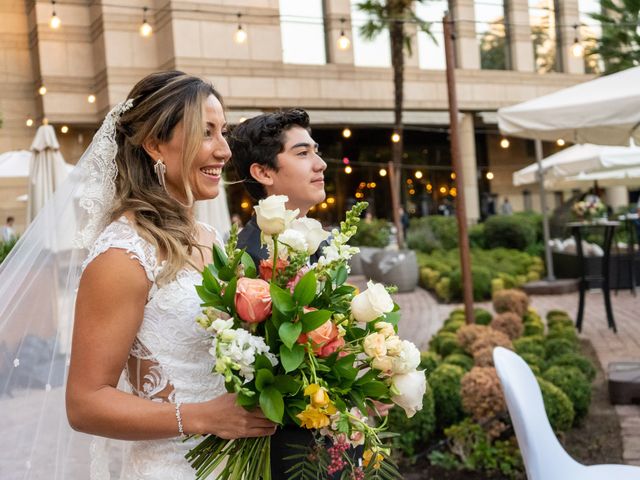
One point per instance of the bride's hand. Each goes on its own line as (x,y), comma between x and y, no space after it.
(224,418)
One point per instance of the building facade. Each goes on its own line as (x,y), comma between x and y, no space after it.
(507,52)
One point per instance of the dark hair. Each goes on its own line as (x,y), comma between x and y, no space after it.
(10,219)
(259,140)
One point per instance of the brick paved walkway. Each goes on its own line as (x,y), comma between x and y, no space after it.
(422,316)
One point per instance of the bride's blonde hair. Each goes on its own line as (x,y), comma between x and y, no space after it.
(160,101)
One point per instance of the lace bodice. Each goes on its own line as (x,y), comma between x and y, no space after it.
(169,360)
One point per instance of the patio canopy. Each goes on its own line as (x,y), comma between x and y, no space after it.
(629,177)
(579,160)
(15,164)
(604,111)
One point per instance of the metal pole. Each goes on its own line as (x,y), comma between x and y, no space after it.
(545,218)
(461,214)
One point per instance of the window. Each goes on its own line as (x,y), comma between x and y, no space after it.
(368,53)
(542,17)
(431,54)
(302,29)
(558,198)
(588,33)
(526,199)
(492,35)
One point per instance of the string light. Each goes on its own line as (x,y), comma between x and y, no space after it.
(560,142)
(346,133)
(323,205)
(489,175)
(29,122)
(54,21)
(429,187)
(382,172)
(577,50)
(331,200)
(42,90)
(418,174)
(240,36)
(348,169)
(409,181)
(343,41)
(453,191)
(395,137)
(64,129)
(453,175)
(504,143)
(412,192)
(145,28)
(244,205)
(91,98)
(443,189)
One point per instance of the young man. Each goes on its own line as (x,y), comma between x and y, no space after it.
(8,233)
(274,154)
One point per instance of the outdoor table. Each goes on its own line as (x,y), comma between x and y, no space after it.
(609,229)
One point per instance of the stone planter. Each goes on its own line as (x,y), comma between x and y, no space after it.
(396,267)
(366,259)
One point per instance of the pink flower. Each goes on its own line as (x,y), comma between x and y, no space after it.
(294,281)
(325,339)
(266,268)
(253,300)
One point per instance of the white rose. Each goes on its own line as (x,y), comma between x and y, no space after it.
(312,231)
(410,388)
(293,240)
(384,364)
(374,345)
(408,359)
(272,215)
(372,303)
(394,345)
(386,329)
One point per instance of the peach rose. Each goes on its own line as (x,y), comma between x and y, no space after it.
(294,281)
(253,300)
(266,268)
(324,339)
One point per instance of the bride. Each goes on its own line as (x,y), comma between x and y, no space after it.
(139,367)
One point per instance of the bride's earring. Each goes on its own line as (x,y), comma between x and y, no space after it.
(160,168)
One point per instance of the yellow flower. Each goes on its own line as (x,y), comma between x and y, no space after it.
(367,456)
(318,394)
(313,417)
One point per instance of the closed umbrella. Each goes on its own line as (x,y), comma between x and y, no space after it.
(47,169)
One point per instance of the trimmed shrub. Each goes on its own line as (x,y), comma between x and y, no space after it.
(438,338)
(482,348)
(533,327)
(508,232)
(534,361)
(560,322)
(531,316)
(445,343)
(568,333)
(575,360)
(429,361)
(511,300)
(429,277)
(467,334)
(557,405)
(476,236)
(443,289)
(508,323)
(445,382)
(432,232)
(481,279)
(460,359)
(533,345)
(497,285)
(452,325)
(417,430)
(483,399)
(574,384)
(375,233)
(554,347)
(482,316)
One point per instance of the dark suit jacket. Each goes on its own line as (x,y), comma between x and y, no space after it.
(249,238)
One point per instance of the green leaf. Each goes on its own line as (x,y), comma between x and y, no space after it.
(291,358)
(249,266)
(343,290)
(210,282)
(264,378)
(306,289)
(392,317)
(282,299)
(341,275)
(272,404)
(345,369)
(262,362)
(219,257)
(375,389)
(247,401)
(230,293)
(286,384)
(206,295)
(367,377)
(229,271)
(312,320)
(289,333)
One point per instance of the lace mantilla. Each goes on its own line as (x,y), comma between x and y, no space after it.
(100,171)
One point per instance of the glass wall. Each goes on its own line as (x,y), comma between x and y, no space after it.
(431,53)
(367,53)
(303,33)
(492,34)
(542,17)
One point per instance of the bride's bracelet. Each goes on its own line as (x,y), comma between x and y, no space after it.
(179,419)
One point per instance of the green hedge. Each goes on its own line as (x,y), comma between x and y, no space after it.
(372,234)
(445,382)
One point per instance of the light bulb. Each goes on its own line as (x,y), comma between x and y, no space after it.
(29,122)
(54,21)
(560,142)
(343,42)
(64,129)
(382,172)
(42,90)
(489,175)
(418,174)
(346,133)
(91,98)
(504,143)
(577,50)
(395,138)
(145,29)
(240,36)
(348,169)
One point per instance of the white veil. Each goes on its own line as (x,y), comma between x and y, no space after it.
(38,285)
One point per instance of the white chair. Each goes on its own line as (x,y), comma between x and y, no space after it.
(544,458)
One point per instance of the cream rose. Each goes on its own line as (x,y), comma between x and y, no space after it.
(372,303)
(272,215)
(410,388)
(374,345)
(384,364)
(386,329)
(313,232)
(394,345)
(407,360)
(292,239)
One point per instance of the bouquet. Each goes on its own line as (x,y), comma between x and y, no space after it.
(298,342)
(589,209)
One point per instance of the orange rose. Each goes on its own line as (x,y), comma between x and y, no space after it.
(253,300)
(266,268)
(324,339)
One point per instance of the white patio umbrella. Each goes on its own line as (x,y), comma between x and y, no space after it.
(47,169)
(15,164)
(629,177)
(578,160)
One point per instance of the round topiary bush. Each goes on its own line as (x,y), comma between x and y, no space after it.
(481,279)
(467,334)
(555,347)
(557,405)
(452,325)
(531,316)
(438,338)
(511,300)
(508,323)
(533,345)
(568,333)
(460,359)
(574,384)
(509,232)
(482,397)
(429,277)
(560,322)
(445,382)
(533,327)
(443,289)
(536,363)
(575,360)
(482,316)
(417,430)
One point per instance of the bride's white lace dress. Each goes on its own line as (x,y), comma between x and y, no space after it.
(169,360)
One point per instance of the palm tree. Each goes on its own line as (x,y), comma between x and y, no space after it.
(619,44)
(392,15)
